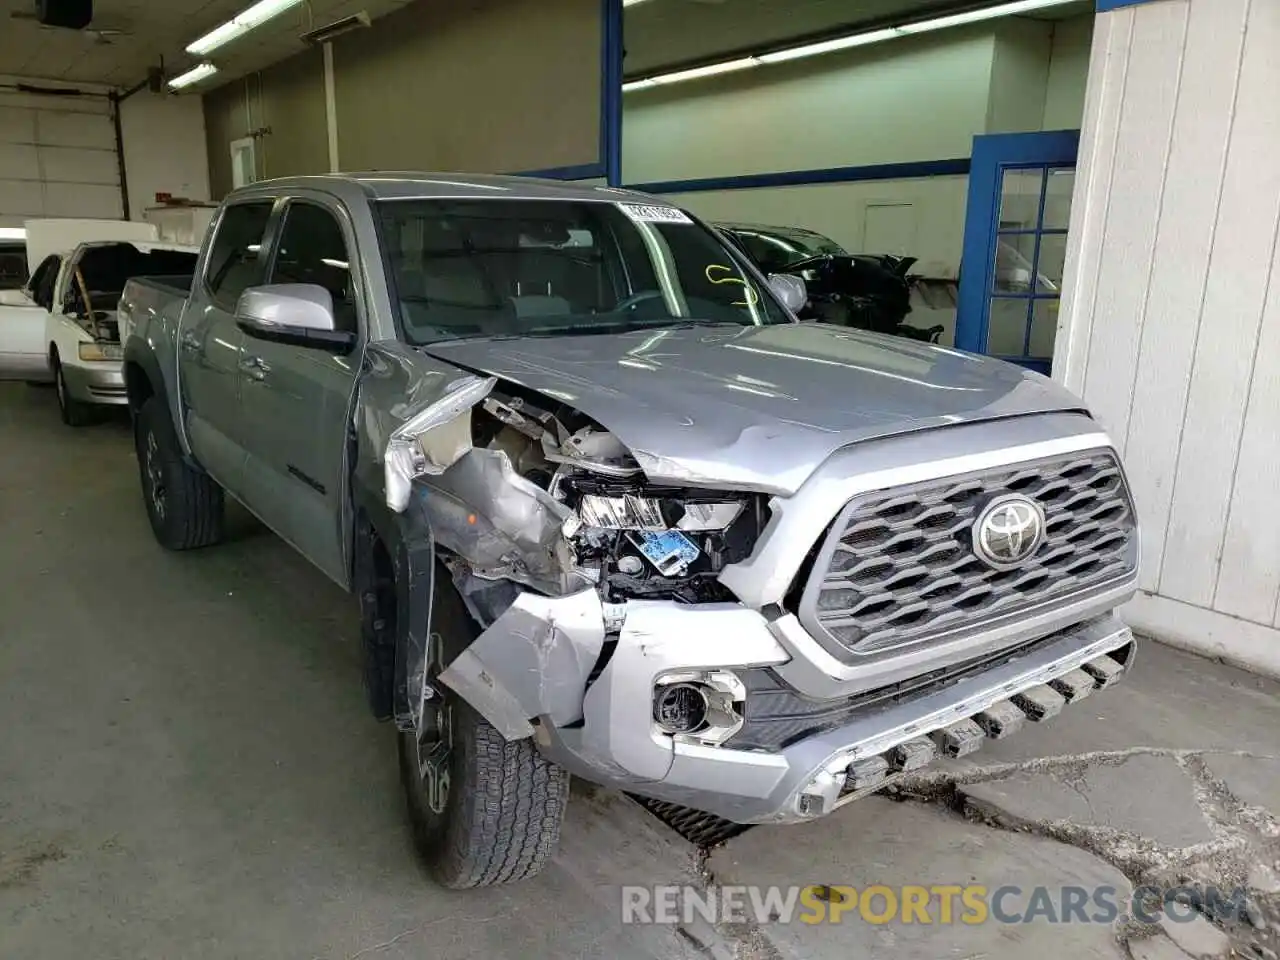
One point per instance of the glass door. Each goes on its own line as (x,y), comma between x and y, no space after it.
(1016,236)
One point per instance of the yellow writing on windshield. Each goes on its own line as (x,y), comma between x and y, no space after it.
(752,296)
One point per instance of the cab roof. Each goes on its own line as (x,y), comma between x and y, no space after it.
(401,185)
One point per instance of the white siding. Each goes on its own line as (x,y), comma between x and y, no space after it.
(1171,323)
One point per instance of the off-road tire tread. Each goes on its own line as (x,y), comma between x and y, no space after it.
(506,802)
(511,804)
(195,501)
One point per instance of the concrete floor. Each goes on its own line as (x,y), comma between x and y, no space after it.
(187,769)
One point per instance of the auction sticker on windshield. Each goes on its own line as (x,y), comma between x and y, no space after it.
(653,213)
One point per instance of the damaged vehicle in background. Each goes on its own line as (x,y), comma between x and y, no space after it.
(611,511)
(863,290)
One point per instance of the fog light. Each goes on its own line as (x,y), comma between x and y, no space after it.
(704,706)
(680,708)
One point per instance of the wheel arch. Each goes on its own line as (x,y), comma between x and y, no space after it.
(142,378)
(399,548)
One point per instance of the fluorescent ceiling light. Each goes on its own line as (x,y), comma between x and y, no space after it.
(194,75)
(239,25)
(974,16)
(842,43)
(631,3)
(829,46)
(13,233)
(710,70)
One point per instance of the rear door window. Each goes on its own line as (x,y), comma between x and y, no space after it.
(235,261)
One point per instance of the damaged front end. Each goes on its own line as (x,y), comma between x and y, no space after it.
(551,532)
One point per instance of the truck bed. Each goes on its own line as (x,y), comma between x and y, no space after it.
(158,300)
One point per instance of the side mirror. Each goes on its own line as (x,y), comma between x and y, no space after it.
(790,290)
(300,314)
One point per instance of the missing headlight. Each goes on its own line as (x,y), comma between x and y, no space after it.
(644,540)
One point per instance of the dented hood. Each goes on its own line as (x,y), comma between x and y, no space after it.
(757,407)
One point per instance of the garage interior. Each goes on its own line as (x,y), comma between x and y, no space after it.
(189,766)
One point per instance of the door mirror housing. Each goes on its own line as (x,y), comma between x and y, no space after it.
(300,314)
(790,290)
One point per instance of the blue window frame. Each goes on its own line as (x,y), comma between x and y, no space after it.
(1014,245)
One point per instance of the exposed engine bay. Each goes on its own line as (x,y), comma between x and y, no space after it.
(539,494)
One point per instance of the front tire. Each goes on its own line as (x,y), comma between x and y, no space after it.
(497,818)
(185,505)
(75,413)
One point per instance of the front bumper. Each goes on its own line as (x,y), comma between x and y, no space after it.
(101,381)
(538,658)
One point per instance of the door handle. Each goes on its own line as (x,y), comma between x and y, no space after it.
(190,342)
(255,367)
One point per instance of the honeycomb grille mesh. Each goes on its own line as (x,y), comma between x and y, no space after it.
(899,568)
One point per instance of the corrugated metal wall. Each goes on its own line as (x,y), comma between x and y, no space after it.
(1172,319)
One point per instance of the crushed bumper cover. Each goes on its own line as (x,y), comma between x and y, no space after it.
(586,676)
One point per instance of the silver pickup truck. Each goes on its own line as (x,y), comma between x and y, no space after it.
(611,511)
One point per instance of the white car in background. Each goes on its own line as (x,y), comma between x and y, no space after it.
(64,325)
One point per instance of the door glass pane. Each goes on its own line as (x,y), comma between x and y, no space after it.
(1044,328)
(233,264)
(1020,198)
(1057,201)
(1008,327)
(313,250)
(1053,254)
(1014,254)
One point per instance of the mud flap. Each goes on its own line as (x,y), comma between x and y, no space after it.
(533,662)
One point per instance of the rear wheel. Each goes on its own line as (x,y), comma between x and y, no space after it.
(485,810)
(75,413)
(184,505)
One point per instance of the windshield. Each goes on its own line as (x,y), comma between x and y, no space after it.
(516,268)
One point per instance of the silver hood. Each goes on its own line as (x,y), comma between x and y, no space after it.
(757,408)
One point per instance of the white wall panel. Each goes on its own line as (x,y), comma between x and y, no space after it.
(1145,126)
(1109,67)
(1172,314)
(1239,274)
(1248,583)
(165,149)
(1175,289)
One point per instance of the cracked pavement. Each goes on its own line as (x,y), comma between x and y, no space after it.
(1176,784)
(188,769)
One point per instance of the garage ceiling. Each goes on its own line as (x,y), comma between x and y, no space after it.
(667,33)
(135,34)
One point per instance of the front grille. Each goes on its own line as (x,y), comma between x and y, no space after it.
(898,567)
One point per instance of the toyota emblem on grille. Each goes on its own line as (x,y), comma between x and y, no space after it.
(1008,531)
